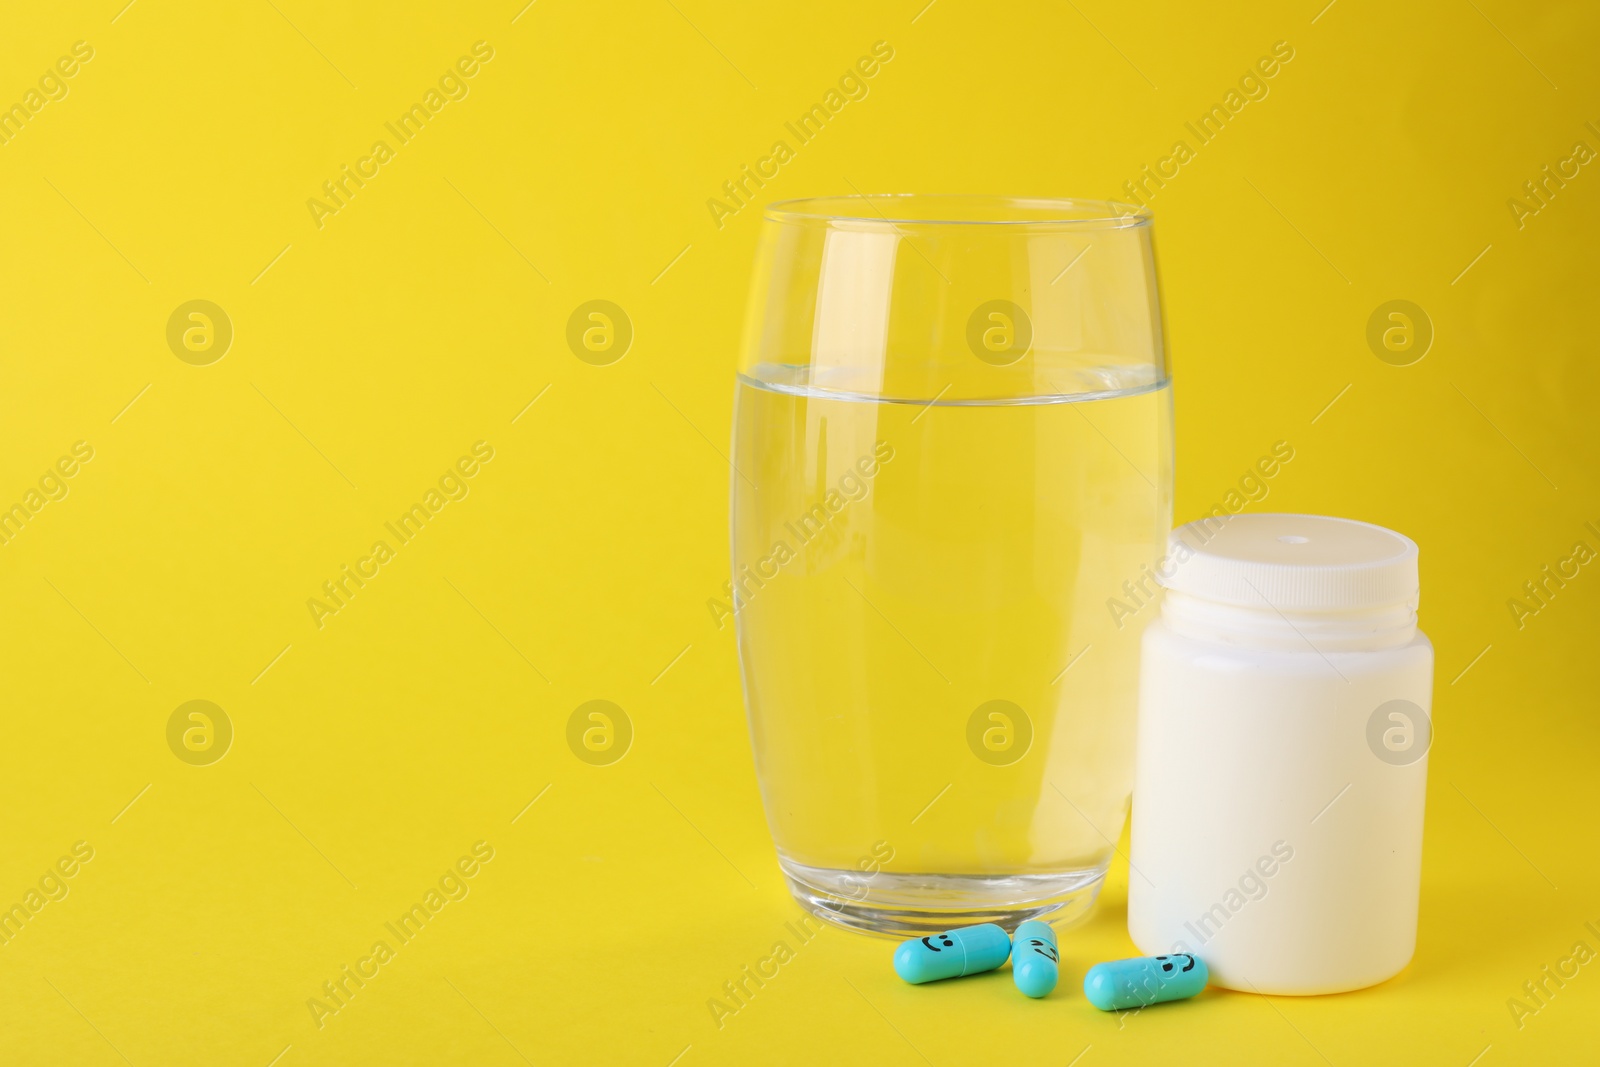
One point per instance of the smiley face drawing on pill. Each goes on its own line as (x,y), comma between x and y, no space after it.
(963,951)
(1035,963)
(1138,983)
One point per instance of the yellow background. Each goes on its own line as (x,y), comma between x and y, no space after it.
(370,353)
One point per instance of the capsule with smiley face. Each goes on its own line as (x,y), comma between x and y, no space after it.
(952,954)
(1143,981)
(1035,964)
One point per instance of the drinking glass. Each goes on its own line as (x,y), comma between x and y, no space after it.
(952,485)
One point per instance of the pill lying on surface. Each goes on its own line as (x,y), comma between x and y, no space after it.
(1146,980)
(952,954)
(1034,960)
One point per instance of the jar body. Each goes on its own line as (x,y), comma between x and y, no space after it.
(1276,832)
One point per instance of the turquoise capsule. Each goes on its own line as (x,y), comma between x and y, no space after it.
(1146,980)
(952,954)
(1034,961)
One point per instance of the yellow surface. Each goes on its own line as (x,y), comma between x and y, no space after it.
(370,353)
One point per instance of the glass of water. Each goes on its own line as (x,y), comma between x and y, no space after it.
(952,487)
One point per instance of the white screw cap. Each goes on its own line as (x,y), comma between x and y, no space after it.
(1293,563)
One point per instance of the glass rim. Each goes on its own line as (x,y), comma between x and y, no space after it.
(960,209)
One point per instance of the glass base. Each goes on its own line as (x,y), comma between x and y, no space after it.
(909,905)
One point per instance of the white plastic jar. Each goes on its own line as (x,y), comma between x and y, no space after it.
(1282,756)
